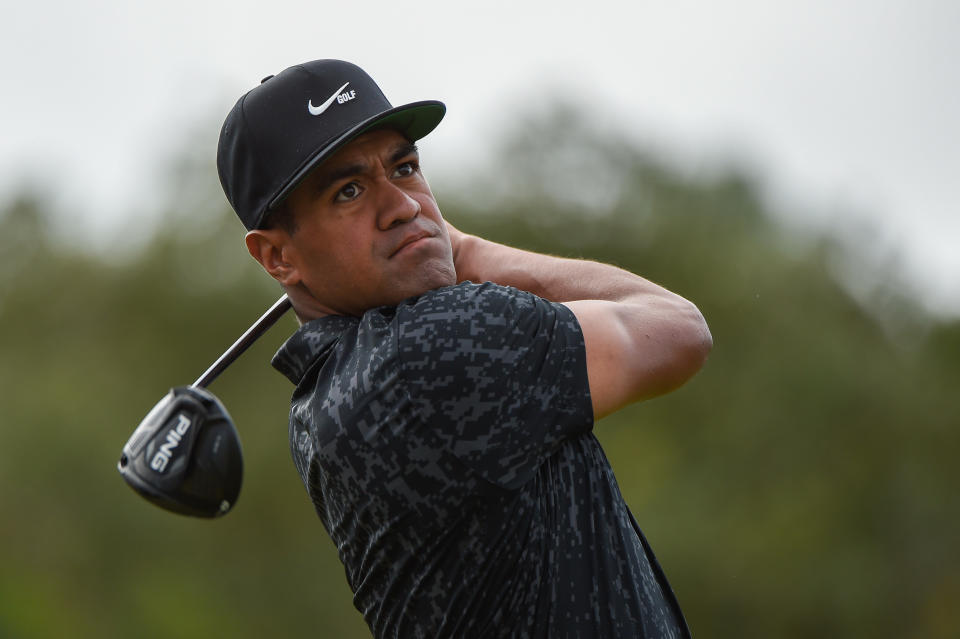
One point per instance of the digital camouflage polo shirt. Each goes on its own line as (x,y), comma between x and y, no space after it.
(446,445)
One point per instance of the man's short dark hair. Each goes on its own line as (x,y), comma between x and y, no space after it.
(281,218)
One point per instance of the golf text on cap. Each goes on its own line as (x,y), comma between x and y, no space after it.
(163,456)
(339,95)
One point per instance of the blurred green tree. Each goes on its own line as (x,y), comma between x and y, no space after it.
(802,485)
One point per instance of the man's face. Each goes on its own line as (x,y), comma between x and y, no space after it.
(368,229)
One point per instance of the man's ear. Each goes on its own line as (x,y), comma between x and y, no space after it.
(271,247)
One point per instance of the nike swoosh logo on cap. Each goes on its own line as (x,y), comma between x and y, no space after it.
(317,110)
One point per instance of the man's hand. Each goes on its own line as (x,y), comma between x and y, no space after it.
(641,339)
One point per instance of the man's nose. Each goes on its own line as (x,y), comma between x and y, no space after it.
(395,207)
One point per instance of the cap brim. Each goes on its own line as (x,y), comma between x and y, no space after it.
(415,120)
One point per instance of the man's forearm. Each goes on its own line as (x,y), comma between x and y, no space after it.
(554,278)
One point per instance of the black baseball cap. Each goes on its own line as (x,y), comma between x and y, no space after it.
(282,129)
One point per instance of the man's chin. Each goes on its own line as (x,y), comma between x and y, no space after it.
(431,276)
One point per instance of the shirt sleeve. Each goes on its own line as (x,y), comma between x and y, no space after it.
(498,374)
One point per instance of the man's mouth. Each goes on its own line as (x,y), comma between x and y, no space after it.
(413,238)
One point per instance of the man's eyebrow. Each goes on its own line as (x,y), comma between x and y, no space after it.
(325,179)
(403,150)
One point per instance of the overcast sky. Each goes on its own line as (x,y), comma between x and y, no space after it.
(848,108)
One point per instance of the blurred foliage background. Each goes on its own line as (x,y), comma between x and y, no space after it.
(802,485)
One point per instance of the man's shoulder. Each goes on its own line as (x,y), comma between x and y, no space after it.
(437,319)
(466,295)
(477,303)
(470,332)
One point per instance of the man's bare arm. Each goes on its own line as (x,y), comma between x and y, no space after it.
(641,339)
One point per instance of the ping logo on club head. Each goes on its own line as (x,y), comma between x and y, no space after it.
(165,453)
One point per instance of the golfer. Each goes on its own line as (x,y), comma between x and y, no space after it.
(447,386)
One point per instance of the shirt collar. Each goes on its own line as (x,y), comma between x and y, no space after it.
(311,343)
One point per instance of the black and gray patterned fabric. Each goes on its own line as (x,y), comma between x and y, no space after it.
(446,445)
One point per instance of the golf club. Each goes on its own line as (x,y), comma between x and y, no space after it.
(185,455)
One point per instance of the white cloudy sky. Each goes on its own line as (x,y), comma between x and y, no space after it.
(845,107)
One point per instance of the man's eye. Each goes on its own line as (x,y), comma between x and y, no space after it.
(405,170)
(348,192)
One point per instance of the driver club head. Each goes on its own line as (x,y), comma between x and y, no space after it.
(185,455)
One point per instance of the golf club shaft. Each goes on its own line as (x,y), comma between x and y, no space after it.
(259,327)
